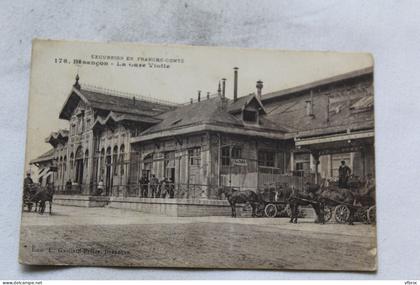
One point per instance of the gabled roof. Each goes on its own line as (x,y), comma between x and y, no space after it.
(213,111)
(49,155)
(109,102)
(240,104)
(317,84)
(56,137)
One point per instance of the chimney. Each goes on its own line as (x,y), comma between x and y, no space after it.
(199,96)
(208,95)
(219,90)
(134,100)
(76,84)
(223,87)
(235,84)
(259,88)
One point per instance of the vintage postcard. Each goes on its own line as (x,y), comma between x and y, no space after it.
(199,157)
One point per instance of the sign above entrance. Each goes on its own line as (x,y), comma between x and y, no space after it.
(239,162)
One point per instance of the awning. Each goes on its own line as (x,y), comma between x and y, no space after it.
(334,138)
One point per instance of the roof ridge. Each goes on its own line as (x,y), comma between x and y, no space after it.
(126,95)
(318,82)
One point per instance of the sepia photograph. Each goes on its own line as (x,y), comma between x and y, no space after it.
(199,157)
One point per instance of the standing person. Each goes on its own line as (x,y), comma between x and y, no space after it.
(171,188)
(153,185)
(143,185)
(163,188)
(100,189)
(343,174)
(68,185)
(27,184)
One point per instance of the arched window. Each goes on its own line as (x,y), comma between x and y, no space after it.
(71,161)
(79,153)
(114,160)
(122,158)
(102,164)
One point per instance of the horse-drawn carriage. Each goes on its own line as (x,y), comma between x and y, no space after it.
(34,194)
(363,205)
(276,200)
(346,205)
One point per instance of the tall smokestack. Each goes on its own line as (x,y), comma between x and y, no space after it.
(223,87)
(235,84)
(208,95)
(259,88)
(219,90)
(199,96)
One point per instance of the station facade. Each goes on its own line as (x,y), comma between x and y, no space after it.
(247,142)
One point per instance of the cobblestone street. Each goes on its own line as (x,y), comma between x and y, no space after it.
(129,238)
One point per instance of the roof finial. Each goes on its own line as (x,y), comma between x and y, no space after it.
(76,84)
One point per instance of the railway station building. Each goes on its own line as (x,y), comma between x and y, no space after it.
(246,142)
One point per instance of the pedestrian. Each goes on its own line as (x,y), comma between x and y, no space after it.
(163,188)
(154,185)
(27,184)
(68,185)
(100,188)
(143,185)
(343,175)
(171,188)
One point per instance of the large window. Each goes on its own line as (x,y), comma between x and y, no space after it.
(122,159)
(266,158)
(230,152)
(194,156)
(114,160)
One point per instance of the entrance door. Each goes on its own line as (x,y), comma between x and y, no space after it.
(79,171)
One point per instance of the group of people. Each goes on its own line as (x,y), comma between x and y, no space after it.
(153,188)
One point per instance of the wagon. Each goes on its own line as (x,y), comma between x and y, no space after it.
(365,214)
(273,209)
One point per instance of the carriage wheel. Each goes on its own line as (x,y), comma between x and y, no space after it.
(362,215)
(270,210)
(342,214)
(328,213)
(371,215)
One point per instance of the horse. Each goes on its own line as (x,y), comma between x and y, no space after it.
(235,196)
(365,196)
(308,197)
(43,196)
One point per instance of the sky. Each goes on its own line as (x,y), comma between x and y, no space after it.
(196,68)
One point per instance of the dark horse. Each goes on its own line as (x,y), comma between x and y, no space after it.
(308,197)
(43,196)
(240,197)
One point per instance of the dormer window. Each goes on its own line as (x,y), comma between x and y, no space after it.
(250,116)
